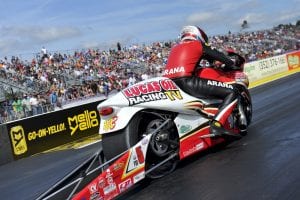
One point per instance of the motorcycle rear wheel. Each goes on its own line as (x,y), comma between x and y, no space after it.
(118,142)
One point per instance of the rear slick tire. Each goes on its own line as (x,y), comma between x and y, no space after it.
(118,142)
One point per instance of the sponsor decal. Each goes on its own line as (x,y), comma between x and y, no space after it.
(138,177)
(18,140)
(152,91)
(83,121)
(110,188)
(194,149)
(293,61)
(136,159)
(118,166)
(110,181)
(174,71)
(219,84)
(94,193)
(101,183)
(110,123)
(96,196)
(241,78)
(93,188)
(125,185)
(184,129)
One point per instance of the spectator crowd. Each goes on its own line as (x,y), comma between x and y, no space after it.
(51,80)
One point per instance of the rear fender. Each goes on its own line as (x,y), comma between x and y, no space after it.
(118,119)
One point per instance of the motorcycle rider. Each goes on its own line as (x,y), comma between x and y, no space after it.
(184,58)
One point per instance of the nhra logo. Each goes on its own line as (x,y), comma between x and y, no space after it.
(152,91)
(18,140)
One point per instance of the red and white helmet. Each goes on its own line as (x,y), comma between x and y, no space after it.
(193,33)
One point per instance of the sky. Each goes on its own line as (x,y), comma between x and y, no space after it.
(68,25)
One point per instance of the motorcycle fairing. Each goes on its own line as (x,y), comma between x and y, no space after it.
(190,129)
(158,94)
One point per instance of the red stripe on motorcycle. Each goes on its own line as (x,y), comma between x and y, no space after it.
(224,114)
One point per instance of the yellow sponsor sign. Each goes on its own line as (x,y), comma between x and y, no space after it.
(44,132)
(18,140)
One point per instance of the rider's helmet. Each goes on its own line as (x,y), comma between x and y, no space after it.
(193,33)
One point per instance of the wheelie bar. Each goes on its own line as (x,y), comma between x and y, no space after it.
(86,172)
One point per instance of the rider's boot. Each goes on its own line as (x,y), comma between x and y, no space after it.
(217,124)
(217,129)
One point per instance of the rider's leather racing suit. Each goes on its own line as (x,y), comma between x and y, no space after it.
(181,65)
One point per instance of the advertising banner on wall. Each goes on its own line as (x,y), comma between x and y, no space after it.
(293,60)
(260,69)
(43,132)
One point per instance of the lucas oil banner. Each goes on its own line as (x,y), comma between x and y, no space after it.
(43,132)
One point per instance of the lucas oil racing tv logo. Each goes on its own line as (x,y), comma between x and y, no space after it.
(18,140)
(152,91)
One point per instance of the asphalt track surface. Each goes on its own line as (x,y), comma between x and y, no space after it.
(265,164)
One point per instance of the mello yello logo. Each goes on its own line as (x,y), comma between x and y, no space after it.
(83,121)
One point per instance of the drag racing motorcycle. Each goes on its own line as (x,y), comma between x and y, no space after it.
(149,127)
